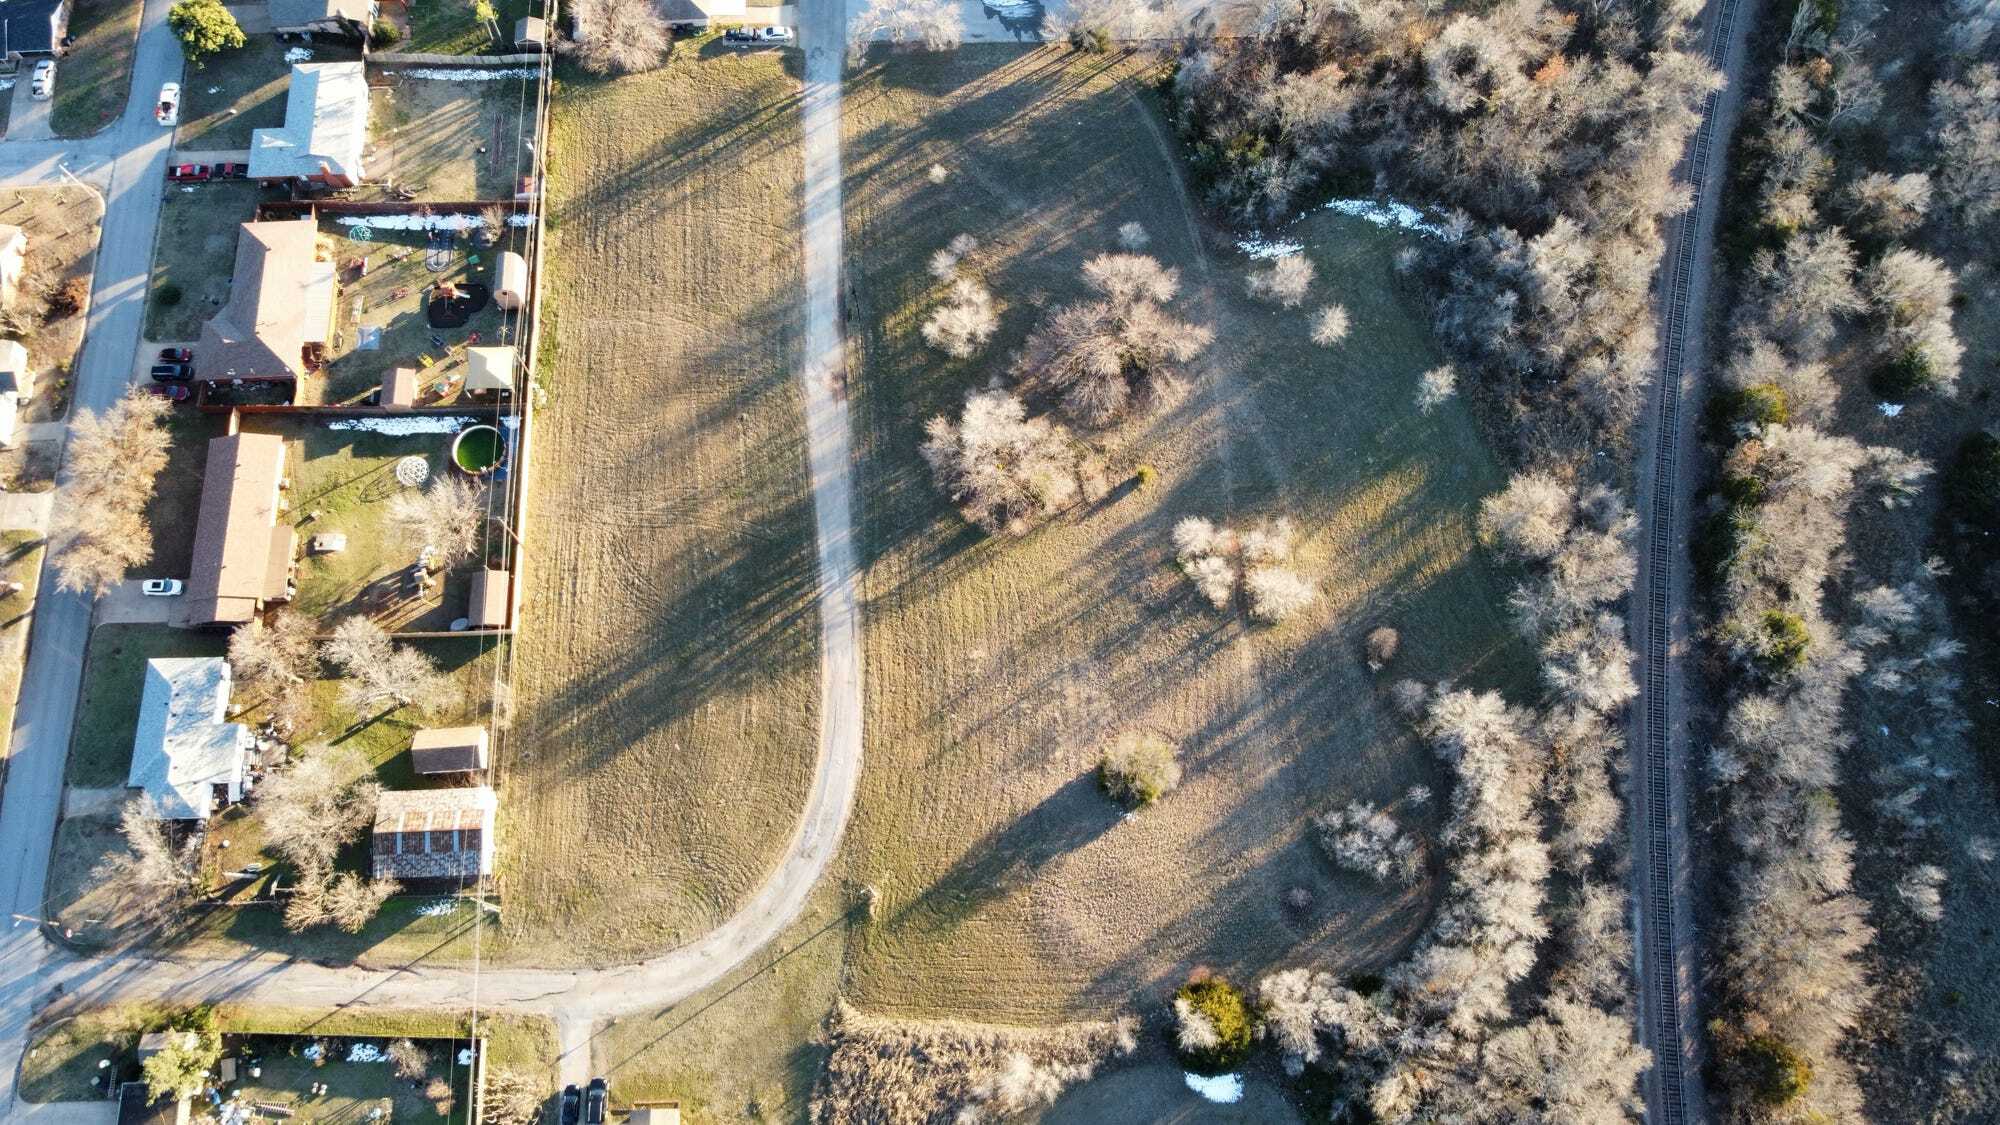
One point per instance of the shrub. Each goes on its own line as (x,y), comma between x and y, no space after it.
(1214,1025)
(385,33)
(1718,540)
(1742,490)
(1090,40)
(1144,476)
(1763,404)
(1779,1072)
(1972,482)
(1908,373)
(1381,647)
(1784,641)
(1139,768)
(69,298)
(169,295)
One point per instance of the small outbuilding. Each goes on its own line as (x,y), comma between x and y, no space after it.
(489,373)
(17,385)
(488,608)
(448,750)
(510,288)
(434,833)
(399,388)
(531,33)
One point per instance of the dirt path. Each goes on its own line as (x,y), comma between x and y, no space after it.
(1667,955)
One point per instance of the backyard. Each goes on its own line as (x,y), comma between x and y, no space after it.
(96,71)
(385,280)
(449,27)
(194,255)
(998,668)
(667,682)
(453,141)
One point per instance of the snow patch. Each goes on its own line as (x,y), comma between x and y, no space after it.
(298,55)
(1386,213)
(402,427)
(424,222)
(366,1053)
(1261,249)
(438,909)
(1223,1089)
(1889,409)
(470,73)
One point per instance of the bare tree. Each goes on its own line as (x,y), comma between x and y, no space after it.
(1285,282)
(318,805)
(98,528)
(443,521)
(1381,647)
(1133,237)
(1889,206)
(619,36)
(1329,326)
(1531,518)
(1004,470)
(1435,388)
(151,881)
(378,670)
(1361,837)
(1102,356)
(273,652)
(410,1061)
(966,319)
(917,25)
(1965,123)
(352,901)
(1220,561)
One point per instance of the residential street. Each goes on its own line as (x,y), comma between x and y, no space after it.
(128,161)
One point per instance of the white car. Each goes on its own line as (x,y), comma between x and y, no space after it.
(161,587)
(774,35)
(43,85)
(168,112)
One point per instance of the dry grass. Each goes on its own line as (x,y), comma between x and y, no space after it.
(668,674)
(20,561)
(194,254)
(62,225)
(96,71)
(1012,888)
(449,140)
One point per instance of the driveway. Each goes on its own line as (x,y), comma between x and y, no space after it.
(29,118)
(127,604)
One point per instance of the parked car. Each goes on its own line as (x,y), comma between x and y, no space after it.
(230,171)
(594,1102)
(168,112)
(176,355)
(162,587)
(172,372)
(187,173)
(172,392)
(572,1105)
(774,35)
(42,86)
(739,35)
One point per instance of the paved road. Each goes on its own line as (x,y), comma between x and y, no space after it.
(1667,945)
(129,159)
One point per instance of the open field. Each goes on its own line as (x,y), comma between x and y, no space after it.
(194,255)
(386,279)
(1012,889)
(20,561)
(64,1055)
(241,90)
(62,225)
(667,679)
(96,73)
(342,482)
(449,140)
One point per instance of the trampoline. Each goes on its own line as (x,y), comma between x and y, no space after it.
(453,311)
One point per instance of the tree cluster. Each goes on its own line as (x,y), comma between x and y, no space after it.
(618,36)
(1007,472)
(968,316)
(378,671)
(1363,838)
(154,878)
(443,522)
(311,810)
(1224,564)
(1104,358)
(99,528)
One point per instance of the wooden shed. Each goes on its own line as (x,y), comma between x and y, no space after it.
(510,288)
(489,600)
(531,33)
(448,750)
(399,388)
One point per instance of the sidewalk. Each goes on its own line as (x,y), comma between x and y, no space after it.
(26,511)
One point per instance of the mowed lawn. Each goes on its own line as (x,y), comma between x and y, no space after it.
(667,685)
(997,669)
(95,74)
(194,255)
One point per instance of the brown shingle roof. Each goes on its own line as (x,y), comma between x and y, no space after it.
(448,749)
(261,332)
(489,600)
(236,538)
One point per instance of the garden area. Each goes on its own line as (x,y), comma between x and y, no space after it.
(96,72)
(449,141)
(383,320)
(194,255)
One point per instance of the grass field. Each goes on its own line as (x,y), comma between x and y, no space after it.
(1013,890)
(96,73)
(453,141)
(20,561)
(194,255)
(667,679)
(62,225)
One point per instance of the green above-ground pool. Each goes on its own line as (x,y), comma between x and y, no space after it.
(477,449)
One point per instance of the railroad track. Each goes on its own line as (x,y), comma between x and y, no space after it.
(1661,964)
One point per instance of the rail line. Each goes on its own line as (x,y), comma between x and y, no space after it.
(1660,964)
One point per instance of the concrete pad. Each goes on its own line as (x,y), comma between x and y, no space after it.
(29,119)
(25,511)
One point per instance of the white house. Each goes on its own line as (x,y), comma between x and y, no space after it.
(17,386)
(186,755)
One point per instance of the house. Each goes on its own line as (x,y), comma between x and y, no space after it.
(279,315)
(700,15)
(17,386)
(510,287)
(488,608)
(242,552)
(325,129)
(13,260)
(489,373)
(340,21)
(31,28)
(186,756)
(399,388)
(434,833)
(136,1107)
(531,33)
(448,750)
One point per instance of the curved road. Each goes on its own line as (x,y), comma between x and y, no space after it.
(127,162)
(1663,922)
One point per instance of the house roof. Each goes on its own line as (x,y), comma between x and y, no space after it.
(183,744)
(28,27)
(304,13)
(488,609)
(448,749)
(399,387)
(325,129)
(434,833)
(237,538)
(13,366)
(262,331)
(489,369)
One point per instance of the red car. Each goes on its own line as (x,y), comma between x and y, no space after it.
(231,171)
(176,355)
(172,392)
(187,173)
